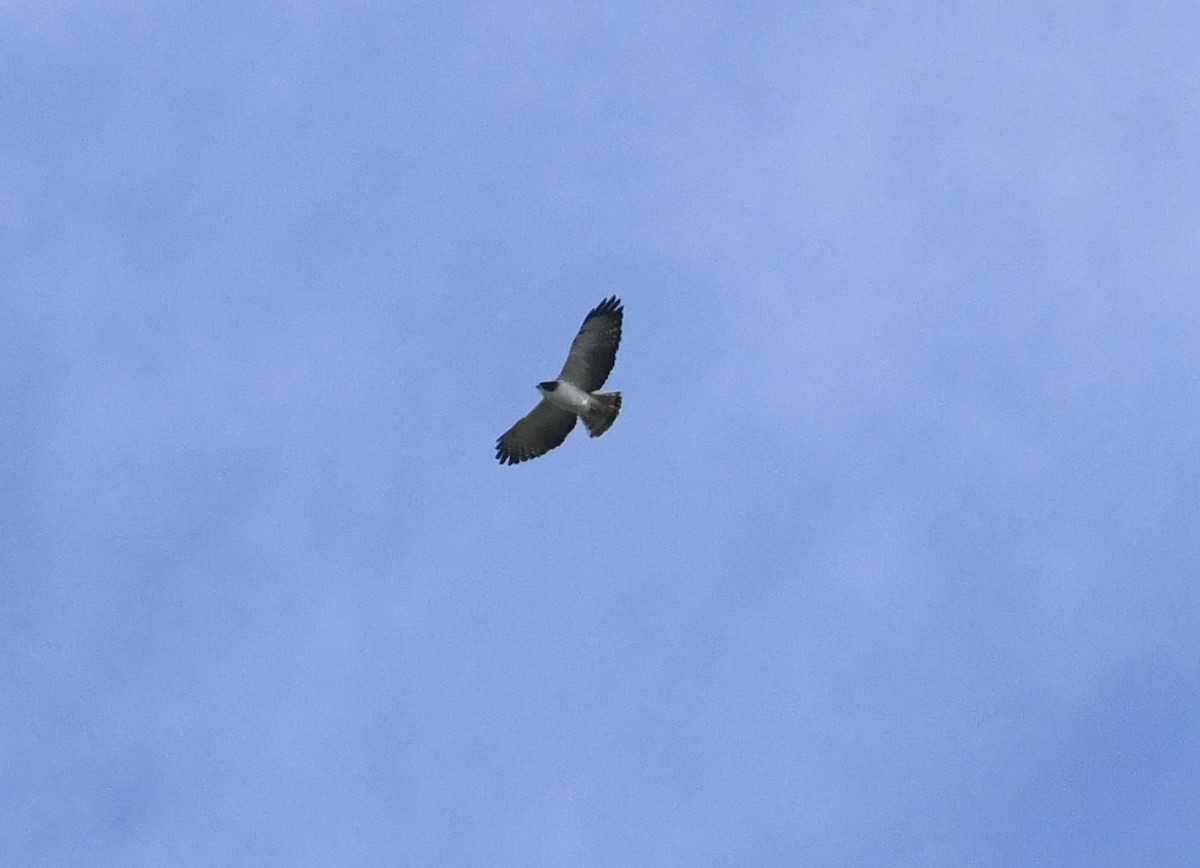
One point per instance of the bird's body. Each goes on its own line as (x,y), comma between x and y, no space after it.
(570,397)
(598,410)
(574,395)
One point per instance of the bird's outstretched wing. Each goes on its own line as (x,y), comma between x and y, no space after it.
(545,427)
(594,350)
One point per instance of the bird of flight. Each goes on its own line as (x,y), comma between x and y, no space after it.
(574,394)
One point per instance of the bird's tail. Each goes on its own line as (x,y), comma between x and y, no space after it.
(602,413)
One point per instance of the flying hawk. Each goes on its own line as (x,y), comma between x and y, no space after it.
(573,395)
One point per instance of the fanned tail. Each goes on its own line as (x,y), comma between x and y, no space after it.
(602,413)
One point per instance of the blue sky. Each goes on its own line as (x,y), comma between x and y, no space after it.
(891,558)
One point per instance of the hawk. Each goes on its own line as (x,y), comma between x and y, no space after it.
(574,394)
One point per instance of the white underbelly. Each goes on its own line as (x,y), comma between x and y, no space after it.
(570,398)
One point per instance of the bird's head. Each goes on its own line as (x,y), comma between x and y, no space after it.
(548,386)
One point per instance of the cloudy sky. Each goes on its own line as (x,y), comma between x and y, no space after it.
(891,558)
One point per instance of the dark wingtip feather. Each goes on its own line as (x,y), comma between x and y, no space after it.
(612,304)
(506,457)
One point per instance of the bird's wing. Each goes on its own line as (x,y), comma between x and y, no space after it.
(594,350)
(545,427)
